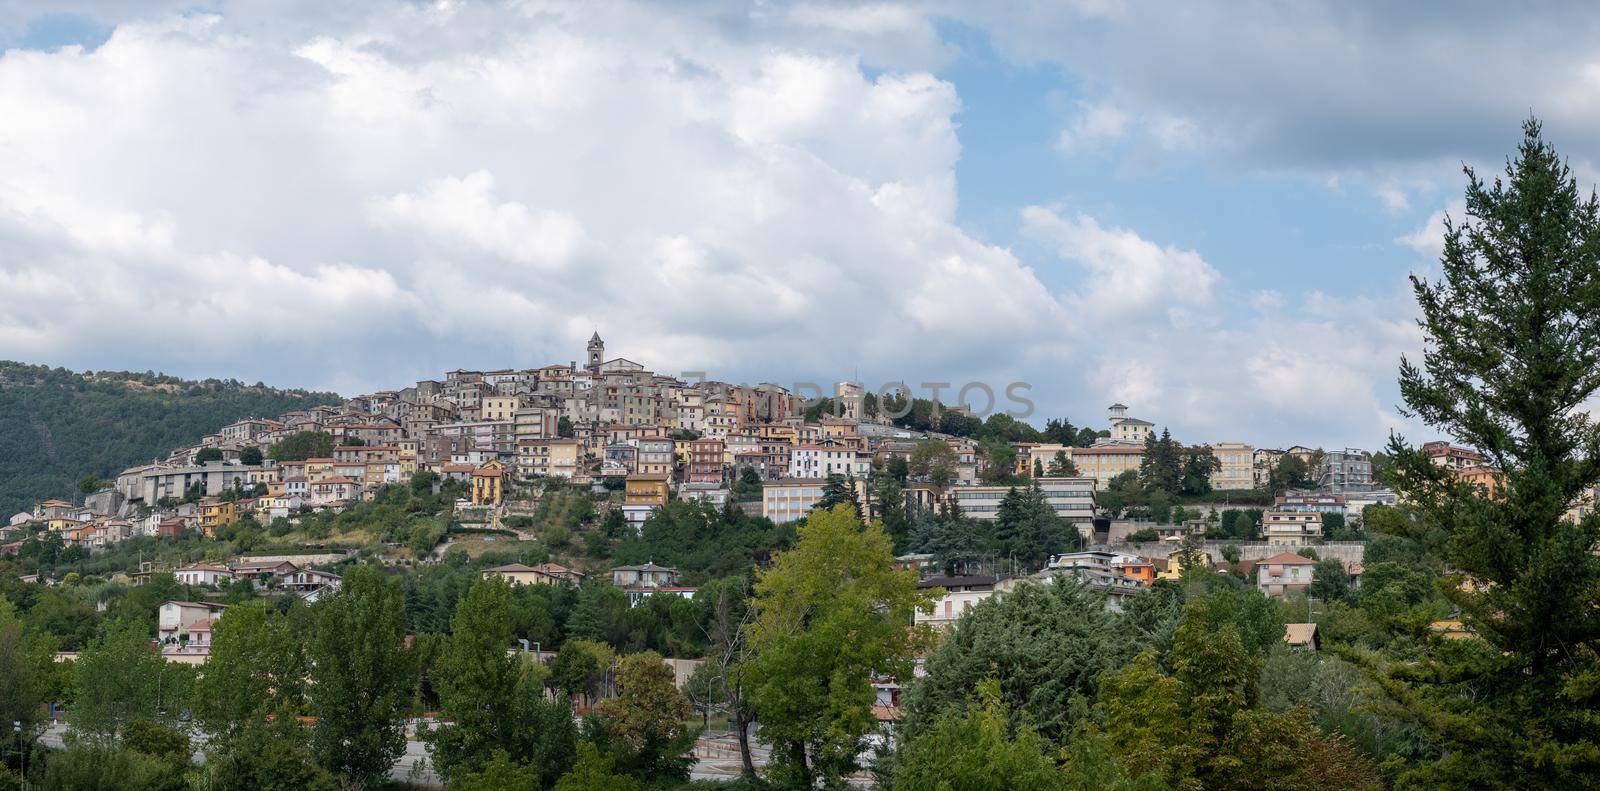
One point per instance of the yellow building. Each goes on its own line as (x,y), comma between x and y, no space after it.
(488,483)
(214,514)
(317,469)
(645,490)
(1104,462)
(1238,466)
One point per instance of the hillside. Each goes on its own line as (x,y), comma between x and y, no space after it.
(57,426)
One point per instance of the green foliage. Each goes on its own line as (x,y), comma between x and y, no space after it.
(1027,529)
(645,721)
(1291,472)
(836,587)
(1511,361)
(703,542)
(976,747)
(1045,645)
(592,771)
(257,669)
(118,679)
(501,774)
(28,674)
(581,667)
(1329,581)
(206,455)
(57,425)
(268,757)
(105,767)
(933,461)
(302,445)
(492,699)
(362,677)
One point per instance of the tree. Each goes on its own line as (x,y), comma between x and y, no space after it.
(1000,461)
(977,747)
(250,455)
(837,490)
(646,718)
(1027,529)
(118,679)
(593,772)
(89,484)
(492,698)
(1062,467)
(706,690)
(27,675)
(1161,467)
(1199,463)
(266,756)
(1329,581)
(1512,355)
(257,670)
(1046,645)
(581,666)
(837,587)
(362,678)
(206,455)
(302,445)
(1291,472)
(934,461)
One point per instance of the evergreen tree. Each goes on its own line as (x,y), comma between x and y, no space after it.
(1512,358)
(1027,529)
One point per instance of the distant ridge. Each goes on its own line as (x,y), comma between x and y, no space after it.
(57,426)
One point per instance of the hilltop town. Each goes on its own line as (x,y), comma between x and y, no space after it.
(497,442)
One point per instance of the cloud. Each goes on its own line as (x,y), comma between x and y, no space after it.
(1322,86)
(359,196)
(1393,198)
(1428,239)
(1095,124)
(359,201)
(1128,279)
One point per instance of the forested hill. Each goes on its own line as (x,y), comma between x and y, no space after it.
(57,426)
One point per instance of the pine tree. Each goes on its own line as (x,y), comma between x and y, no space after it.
(1512,357)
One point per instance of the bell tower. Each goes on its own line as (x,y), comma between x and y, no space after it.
(597,353)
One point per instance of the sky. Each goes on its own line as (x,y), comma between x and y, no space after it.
(1207,211)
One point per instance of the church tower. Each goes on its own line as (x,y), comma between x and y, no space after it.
(597,353)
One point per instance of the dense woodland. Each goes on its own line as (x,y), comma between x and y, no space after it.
(58,426)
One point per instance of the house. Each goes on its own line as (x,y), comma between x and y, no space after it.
(176,616)
(191,644)
(333,490)
(1138,571)
(488,483)
(648,575)
(542,574)
(820,461)
(961,594)
(202,574)
(1237,470)
(707,461)
(1302,637)
(642,494)
(1291,528)
(259,572)
(1127,429)
(310,580)
(790,499)
(1283,574)
(1104,462)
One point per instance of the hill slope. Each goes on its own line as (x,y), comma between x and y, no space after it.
(57,426)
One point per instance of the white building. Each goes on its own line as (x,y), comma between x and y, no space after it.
(203,575)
